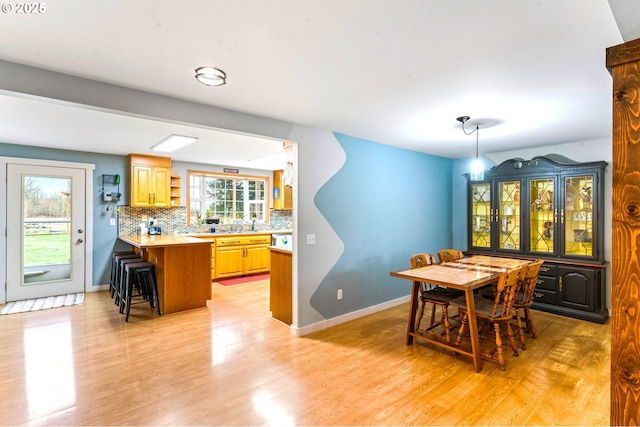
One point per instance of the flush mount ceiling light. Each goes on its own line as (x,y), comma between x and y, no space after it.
(477,168)
(211,76)
(173,142)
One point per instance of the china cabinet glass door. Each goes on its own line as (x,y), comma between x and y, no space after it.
(542,215)
(509,215)
(578,215)
(481,215)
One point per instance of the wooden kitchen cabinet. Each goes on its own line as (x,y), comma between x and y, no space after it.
(150,181)
(239,255)
(280,285)
(282,195)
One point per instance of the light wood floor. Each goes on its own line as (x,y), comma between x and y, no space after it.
(231,364)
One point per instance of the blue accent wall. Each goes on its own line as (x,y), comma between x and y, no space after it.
(385,204)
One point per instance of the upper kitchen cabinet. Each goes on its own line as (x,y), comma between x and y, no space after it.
(542,207)
(282,194)
(150,180)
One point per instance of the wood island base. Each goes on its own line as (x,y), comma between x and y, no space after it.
(182,268)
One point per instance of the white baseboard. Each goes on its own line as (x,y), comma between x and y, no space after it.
(97,288)
(305,330)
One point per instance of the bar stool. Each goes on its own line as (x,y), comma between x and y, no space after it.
(115,269)
(121,280)
(141,275)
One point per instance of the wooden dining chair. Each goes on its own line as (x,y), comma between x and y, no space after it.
(437,296)
(447,255)
(499,312)
(524,299)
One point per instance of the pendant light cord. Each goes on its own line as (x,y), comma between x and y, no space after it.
(469,133)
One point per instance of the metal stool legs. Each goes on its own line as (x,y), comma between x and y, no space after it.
(140,275)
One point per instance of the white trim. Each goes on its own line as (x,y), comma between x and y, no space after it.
(347,317)
(88,232)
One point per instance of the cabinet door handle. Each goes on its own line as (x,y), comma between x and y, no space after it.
(555,215)
(545,269)
(560,279)
(538,294)
(562,215)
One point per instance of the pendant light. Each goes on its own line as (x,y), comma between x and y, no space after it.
(477,167)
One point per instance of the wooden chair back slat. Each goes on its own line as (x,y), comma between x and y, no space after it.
(447,255)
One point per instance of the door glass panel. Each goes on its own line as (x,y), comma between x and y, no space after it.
(481,215)
(578,215)
(509,214)
(541,208)
(46,221)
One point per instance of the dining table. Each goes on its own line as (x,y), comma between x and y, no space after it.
(466,274)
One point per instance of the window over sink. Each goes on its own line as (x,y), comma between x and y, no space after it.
(227,197)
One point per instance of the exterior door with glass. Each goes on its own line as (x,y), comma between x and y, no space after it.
(45,231)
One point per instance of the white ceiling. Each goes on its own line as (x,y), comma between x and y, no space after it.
(397,72)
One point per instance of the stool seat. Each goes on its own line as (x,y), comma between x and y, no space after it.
(142,276)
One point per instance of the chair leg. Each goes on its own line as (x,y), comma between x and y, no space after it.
(433,316)
(445,322)
(465,321)
(420,314)
(512,339)
(520,328)
(529,321)
(496,328)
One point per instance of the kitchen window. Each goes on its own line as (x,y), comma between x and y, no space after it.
(227,197)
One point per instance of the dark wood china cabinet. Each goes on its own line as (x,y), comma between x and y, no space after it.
(548,208)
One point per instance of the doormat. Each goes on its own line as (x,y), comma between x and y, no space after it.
(244,279)
(43,303)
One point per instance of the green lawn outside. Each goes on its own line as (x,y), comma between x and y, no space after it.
(46,249)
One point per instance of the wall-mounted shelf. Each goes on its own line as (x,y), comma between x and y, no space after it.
(175,190)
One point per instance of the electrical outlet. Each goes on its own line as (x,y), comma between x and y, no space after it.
(339,293)
(112,221)
(311,239)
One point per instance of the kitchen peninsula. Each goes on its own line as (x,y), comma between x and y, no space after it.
(182,269)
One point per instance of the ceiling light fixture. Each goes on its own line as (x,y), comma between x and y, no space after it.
(173,142)
(211,76)
(477,167)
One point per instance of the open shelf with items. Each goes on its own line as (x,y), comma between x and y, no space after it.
(175,190)
(551,209)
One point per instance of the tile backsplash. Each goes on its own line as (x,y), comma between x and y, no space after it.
(174,221)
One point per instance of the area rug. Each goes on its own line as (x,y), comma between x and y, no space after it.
(244,279)
(43,303)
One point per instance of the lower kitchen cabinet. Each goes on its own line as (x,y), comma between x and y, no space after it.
(239,255)
(280,285)
(572,290)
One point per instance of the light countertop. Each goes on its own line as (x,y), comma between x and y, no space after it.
(159,240)
(238,233)
(281,250)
